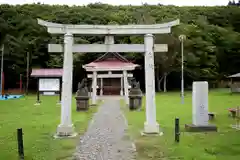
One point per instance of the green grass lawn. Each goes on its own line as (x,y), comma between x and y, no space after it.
(39,124)
(221,145)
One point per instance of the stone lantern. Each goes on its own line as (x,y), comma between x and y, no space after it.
(82,97)
(135,96)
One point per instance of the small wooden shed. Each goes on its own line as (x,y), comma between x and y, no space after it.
(235,83)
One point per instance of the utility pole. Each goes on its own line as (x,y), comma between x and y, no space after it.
(182,38)
(27,74)
(1,84)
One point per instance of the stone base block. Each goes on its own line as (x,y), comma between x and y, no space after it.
(194,128)
(82,104)
(64,131)
(37,104)
(94,103)
(236,126)
(135,102)
(127,103)
(211,116)
(121,93)
(151,129)
(151,134)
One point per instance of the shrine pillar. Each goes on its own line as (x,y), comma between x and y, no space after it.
(101,87)
(150,126)
(121,91)
(125,87)
(66,128)
(94,88)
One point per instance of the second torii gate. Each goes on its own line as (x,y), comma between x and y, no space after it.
(150,126)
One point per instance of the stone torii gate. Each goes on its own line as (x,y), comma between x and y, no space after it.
(66,128)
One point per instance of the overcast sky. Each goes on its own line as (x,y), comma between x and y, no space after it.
(123,2)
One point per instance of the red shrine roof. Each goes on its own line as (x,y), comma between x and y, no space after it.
(111,61)
(57,72)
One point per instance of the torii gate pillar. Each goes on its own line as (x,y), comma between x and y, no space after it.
(151,125)
(65,128)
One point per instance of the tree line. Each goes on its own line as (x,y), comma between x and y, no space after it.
(211,48)
(234,3)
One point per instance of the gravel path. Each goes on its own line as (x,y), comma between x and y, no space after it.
(106,137)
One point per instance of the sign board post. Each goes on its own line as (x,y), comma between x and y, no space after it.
(38,94)
(60,91)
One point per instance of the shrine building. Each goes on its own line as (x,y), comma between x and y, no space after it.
(109,71)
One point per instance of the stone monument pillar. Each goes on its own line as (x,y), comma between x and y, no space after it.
(66,127)
(151,125)
(200,109)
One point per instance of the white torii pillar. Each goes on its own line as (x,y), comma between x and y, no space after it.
(65,128)
(150,126)
(94,88)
